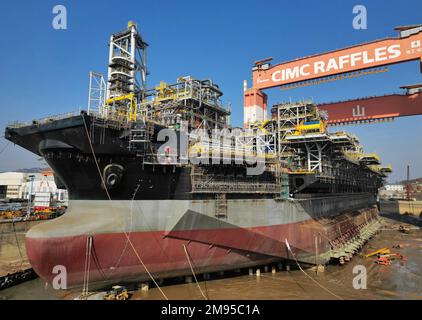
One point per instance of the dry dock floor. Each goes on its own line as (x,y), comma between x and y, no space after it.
(399,280)
(12,247)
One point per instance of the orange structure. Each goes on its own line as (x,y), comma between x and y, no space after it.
(348,62)
(47,172)
(255,102)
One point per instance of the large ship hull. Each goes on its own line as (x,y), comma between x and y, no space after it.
(147,217)
(127,234)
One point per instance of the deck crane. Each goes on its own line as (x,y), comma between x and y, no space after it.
(367,58)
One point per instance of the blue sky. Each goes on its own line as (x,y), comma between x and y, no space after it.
(45,71)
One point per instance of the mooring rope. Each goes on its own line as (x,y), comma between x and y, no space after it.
(193,272)
(108,195)
(297,262)
(17,244)
(87,266)
(5,147)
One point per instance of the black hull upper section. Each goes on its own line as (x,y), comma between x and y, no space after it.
(67,146)
(69,134)
(135,181)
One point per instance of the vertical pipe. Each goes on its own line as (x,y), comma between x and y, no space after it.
(103,92)
(30,196)
(133,56)
(316,253)
(319,157)
(89,92)
(308,151)
(144,68)
(110,57)
(408,184)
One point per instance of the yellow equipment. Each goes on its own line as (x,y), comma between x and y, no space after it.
(370,158)
(318,126)
(129,100)
(117,293)
(380,251)
(11,214)
(45,211)
(164,92)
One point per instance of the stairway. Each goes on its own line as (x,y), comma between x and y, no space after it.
(221,206)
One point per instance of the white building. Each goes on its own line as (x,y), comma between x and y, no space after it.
(44,189)
(17,185)
(394,187)
(12,183)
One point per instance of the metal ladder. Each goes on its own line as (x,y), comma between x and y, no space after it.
(138,140)
(221,205)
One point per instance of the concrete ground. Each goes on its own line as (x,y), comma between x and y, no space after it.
(400,280)
(412,208)
(12,247)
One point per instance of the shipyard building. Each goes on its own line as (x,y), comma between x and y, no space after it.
(42,187)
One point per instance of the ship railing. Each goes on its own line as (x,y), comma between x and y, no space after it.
(233,187)
(17,124)
(184,90)
(109,120)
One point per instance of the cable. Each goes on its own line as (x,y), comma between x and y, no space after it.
(108,195)
(283,280)
(17,243)
(193,272)
(7,144)
(87,267)
(288,247)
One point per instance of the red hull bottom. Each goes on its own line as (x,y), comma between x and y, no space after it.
(112,258)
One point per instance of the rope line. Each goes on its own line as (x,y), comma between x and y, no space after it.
(297,262)
(87,266)
(108,195)
(193,272)
(17,244)
(4,148)
(97,263)
(284,280)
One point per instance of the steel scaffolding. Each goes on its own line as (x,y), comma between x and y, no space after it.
(97,93)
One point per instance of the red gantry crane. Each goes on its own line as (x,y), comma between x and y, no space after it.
(358,60)
(375,109)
